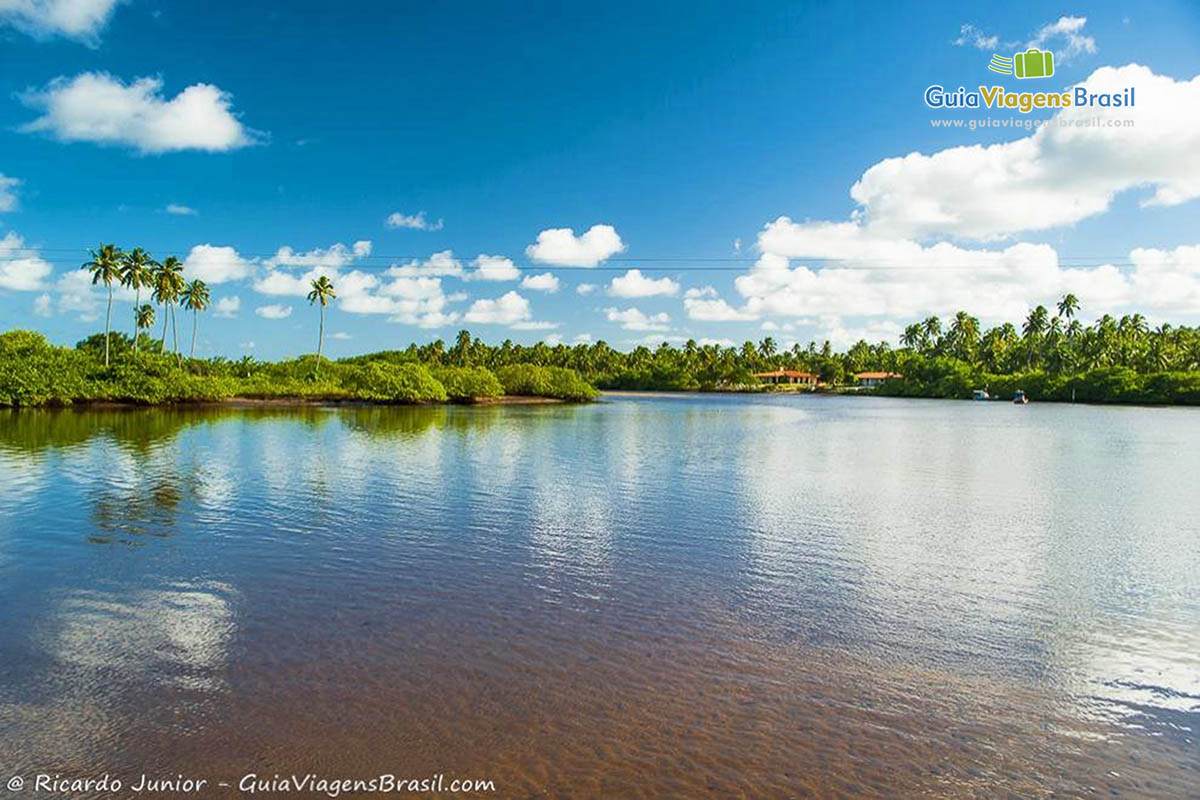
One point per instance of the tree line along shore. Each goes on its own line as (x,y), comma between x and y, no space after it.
(1051,356)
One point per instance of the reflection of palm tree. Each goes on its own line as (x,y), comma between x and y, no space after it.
(105,267)
(322,292)
(195,298)
(136,273)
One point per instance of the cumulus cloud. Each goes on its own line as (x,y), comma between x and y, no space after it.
(1068,30)
(42,304)
(562,247)
(274,311)
(8,193)
(704,305)
(632,319)
(585,288)
(181,210)
(216,264)
(408,300)
(227,307)
(1057,176)
(22,269)
(442,263)
(280,279)
(493,268)
(634,284)
(545,282)
(508,309)
(82,20)
(100,108)
(415,222)
(869,276)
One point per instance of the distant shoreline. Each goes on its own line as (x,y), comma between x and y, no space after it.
(297,402)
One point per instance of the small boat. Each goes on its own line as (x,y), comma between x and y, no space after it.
(1019,398)
(980,394)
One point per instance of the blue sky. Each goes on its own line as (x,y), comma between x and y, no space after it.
(679,134)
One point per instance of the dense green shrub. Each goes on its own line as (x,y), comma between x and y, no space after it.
(464,384)
(393,383)
(33,372)
(557,382)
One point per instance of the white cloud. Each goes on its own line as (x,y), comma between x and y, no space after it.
(842,337)
(634,284)
(22,269)
(704,305)
(493,268)
(181,210)
(442,263)
(1057,176)
(545,282)
(279,280)
(8,194)
(97,107)
(341,336)
(585,288)
(227,307)
(75,19)
(414,221)
(41,306)
(1070,31)
(582,338)
(418,301)
(972,36)
(216,264)
(554,339)
(508,309)
(274,311)
(334,257)
(995,284)
(562,247)
(631,319)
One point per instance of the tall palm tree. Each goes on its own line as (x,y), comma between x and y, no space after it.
(194,298)
(135,274)
(168,285)
(105,267)
(322,292)
(1068,306)
(144,319)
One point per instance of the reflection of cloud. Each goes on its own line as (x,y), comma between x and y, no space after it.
(179,633)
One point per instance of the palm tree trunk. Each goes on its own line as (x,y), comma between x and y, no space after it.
(137,303)
(320,339)
(107,320)
(166,314)
(195,322)
(175,338)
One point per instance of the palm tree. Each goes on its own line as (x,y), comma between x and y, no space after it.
(144,319)
(105,267)
(136,273)
(194,298)
(168,285)
(1068,306)
(322,292)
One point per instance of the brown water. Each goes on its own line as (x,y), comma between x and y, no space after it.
(758,597)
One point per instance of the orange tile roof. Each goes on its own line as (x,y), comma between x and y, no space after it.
(867,375)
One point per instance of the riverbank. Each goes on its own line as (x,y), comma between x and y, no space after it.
(297,401)
(34,373)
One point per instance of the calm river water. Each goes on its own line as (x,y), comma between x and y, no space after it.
(645,597)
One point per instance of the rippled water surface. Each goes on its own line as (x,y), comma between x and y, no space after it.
(686,596)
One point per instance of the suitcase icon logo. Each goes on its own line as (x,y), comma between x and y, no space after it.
(1033,63)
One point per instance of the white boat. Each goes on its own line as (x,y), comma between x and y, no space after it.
(980,394)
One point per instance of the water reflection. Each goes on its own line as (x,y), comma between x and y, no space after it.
(936,593)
